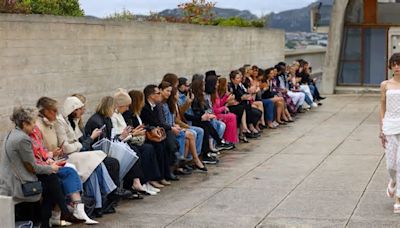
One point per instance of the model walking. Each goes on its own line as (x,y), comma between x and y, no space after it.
(390,128)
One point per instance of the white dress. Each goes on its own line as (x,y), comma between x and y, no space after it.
(391,129)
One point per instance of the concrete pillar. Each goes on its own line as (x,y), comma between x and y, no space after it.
(334,44)
(6,212)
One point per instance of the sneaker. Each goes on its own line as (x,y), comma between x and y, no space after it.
(151,188)
(213,154)
(209,160)
(148,190)
(314,105)
(224,146)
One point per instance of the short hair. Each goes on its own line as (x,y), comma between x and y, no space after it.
(394,59)
(23,115)
(233,74)
(45,103)
(148,90)
(106,106)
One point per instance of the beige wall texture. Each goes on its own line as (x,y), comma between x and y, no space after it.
(334,44)
(58,56)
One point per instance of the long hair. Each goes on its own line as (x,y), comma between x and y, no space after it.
(172,101)
(171,78)
(83,99)
(198,91)
(210,87)
(106,106)
(223,82)
(137,102)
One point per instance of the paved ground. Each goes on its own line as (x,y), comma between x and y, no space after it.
(324,170)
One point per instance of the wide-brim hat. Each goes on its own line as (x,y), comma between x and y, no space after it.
(212,73)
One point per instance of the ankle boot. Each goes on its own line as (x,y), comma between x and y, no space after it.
(79,212)
(71,218)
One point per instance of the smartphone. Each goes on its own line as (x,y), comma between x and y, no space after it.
(102,127)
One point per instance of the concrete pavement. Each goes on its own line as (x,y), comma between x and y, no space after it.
(325,170)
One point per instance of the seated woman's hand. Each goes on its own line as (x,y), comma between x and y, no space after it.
(125,133)
(139,131)
(57,152)
(205,117)
(55,167)
(175,130)
(96,133)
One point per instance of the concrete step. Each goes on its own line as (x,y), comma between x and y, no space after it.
(357,90)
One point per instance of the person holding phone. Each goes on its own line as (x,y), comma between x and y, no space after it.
(18,165)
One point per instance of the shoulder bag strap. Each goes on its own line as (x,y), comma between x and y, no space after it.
(12,164)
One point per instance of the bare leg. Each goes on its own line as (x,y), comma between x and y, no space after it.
(192,148)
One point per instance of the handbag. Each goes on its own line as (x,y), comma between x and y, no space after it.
(29,188)
(156,134)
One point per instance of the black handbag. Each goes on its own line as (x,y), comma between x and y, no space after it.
(29,188)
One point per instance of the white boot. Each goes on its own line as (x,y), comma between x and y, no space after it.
(55,220)
(79,212)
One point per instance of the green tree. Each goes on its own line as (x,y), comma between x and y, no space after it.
(198,11)
(52,7)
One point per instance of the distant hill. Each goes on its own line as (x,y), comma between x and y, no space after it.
(298,20)
(218,12)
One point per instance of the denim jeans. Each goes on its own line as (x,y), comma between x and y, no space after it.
(70,180)
(219,127)
(269,109)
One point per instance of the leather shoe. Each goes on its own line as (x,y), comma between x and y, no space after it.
(98,213)
(123,193)
(172,177)
(182,172)
(109,210)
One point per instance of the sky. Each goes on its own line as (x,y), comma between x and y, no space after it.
(102,8)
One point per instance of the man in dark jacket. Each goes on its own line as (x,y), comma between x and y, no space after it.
(151,116)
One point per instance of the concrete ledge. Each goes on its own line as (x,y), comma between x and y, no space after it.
(356,90)
(7,212)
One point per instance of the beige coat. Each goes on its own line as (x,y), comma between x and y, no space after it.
(48,131)
(85,162)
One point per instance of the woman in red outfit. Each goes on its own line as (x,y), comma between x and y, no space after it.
(221,110)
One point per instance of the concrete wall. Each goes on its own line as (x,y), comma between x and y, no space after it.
(7,211)
(58,56)
(316,57)
(334,43)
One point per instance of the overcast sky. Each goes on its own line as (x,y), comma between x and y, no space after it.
(101,8)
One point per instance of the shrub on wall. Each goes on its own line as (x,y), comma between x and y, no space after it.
(237,21)
(52,7)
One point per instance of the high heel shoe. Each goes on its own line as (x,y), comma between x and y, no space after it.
(243,139)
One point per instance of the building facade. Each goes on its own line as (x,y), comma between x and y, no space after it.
(362,35)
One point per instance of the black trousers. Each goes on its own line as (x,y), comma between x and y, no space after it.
(171,147)
(162,158)
(52,195)
(134,172)
(253,115)
(112,166)
(209,130)
(28,212)
(238,110)
(149,162)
